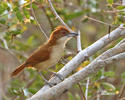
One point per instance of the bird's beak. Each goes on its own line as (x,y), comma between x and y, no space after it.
(72,34)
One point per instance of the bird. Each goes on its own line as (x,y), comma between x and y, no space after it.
(48,54)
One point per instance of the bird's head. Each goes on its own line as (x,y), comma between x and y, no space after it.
(62,34)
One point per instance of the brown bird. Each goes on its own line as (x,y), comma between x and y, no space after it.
(49,53)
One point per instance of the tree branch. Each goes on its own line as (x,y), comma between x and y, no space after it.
(57,16)
(41,29)
(100,62)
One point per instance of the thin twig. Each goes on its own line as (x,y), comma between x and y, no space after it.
(98,95)
(83,96)
(37,21)
(87,84)
(90,18)
(114,11)
(122,91)
(79,48)
(44,10)
(87,87)
(57,16)
(50,22)
(109,30)
(99,21)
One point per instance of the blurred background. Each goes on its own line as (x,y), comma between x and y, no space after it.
(20,35)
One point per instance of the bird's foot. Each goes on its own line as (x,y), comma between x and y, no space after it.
(58,75)
(46,81)
(49,83)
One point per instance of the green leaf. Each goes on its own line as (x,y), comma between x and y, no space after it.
(1,9)
(108,86)
(15,32)
(109,74)
(19,16)
(21,46)
(32,90)
(120,7)
(5,5)
(110,1)
(2,21)
(16,9)
(123,75)
(16,83)
(26,13)
(70,96)
(98,75)
(34,6)
(29,41)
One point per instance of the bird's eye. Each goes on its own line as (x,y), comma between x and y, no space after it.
(63,32)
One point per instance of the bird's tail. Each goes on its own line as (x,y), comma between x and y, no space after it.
(18,70)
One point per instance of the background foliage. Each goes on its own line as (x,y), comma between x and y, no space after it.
(20,34)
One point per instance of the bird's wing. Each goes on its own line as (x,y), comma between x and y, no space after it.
(41,54)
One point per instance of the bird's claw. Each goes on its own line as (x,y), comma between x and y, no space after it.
(58,75)
(49,83)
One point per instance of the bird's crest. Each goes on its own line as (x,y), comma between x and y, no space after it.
(61,28)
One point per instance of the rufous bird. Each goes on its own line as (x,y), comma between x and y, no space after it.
(49,53)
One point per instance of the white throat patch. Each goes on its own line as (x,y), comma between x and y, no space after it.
(64,40)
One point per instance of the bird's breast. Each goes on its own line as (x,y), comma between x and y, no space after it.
(55,55)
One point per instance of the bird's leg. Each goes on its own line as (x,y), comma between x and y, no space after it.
(56,74)
(46,81)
